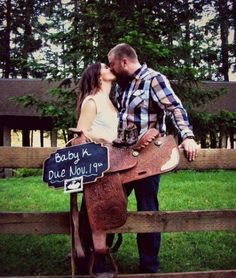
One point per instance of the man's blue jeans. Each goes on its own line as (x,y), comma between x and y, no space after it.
(146,191)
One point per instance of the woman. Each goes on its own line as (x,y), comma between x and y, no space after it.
(98,117)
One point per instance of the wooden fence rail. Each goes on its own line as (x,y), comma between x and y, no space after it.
(28,157)
(137,222)
(202,274)
(142,222)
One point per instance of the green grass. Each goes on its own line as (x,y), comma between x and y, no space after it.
(184,190)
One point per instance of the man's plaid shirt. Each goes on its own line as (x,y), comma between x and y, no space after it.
(146,101)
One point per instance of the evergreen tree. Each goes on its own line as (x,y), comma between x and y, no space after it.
(18,35)
(5,33)
(218,27)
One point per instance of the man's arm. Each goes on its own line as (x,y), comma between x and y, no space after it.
(191,148)
(163,94)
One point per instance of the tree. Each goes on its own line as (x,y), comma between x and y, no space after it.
(166,34)
(234,30)
(6,11)
(219,27)
(223,9)
(18,36)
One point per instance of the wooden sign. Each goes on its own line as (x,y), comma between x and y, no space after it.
(74,166)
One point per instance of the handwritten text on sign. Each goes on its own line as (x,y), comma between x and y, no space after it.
(89,161)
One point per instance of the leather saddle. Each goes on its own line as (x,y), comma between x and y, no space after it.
(105,199)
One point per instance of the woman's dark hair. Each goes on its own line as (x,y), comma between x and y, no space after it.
(89,84)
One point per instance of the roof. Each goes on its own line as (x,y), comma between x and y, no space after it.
(19,87)
(39,88)
(224,102)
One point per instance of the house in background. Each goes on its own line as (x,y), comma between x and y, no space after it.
(13,116)
(26,121)
(225,102)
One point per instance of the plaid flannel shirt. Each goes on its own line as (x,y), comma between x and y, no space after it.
(146,102)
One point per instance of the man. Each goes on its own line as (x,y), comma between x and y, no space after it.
(143,98)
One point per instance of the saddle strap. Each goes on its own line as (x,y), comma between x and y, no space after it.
(75,226)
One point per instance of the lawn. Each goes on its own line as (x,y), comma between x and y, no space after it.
(183,190)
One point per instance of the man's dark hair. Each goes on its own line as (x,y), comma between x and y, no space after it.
(123,50)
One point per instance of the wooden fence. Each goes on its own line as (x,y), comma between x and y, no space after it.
(174,221)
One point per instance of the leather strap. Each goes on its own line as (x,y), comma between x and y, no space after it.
(99,241)
(75,226)
(117,244)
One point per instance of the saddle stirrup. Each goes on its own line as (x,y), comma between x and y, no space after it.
(107,274)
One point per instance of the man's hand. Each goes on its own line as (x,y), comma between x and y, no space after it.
(191,148)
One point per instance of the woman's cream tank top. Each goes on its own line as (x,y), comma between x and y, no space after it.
(106,122)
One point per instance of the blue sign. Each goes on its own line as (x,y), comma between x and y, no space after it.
(76,165)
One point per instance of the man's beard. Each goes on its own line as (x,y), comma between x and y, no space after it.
(123,80)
